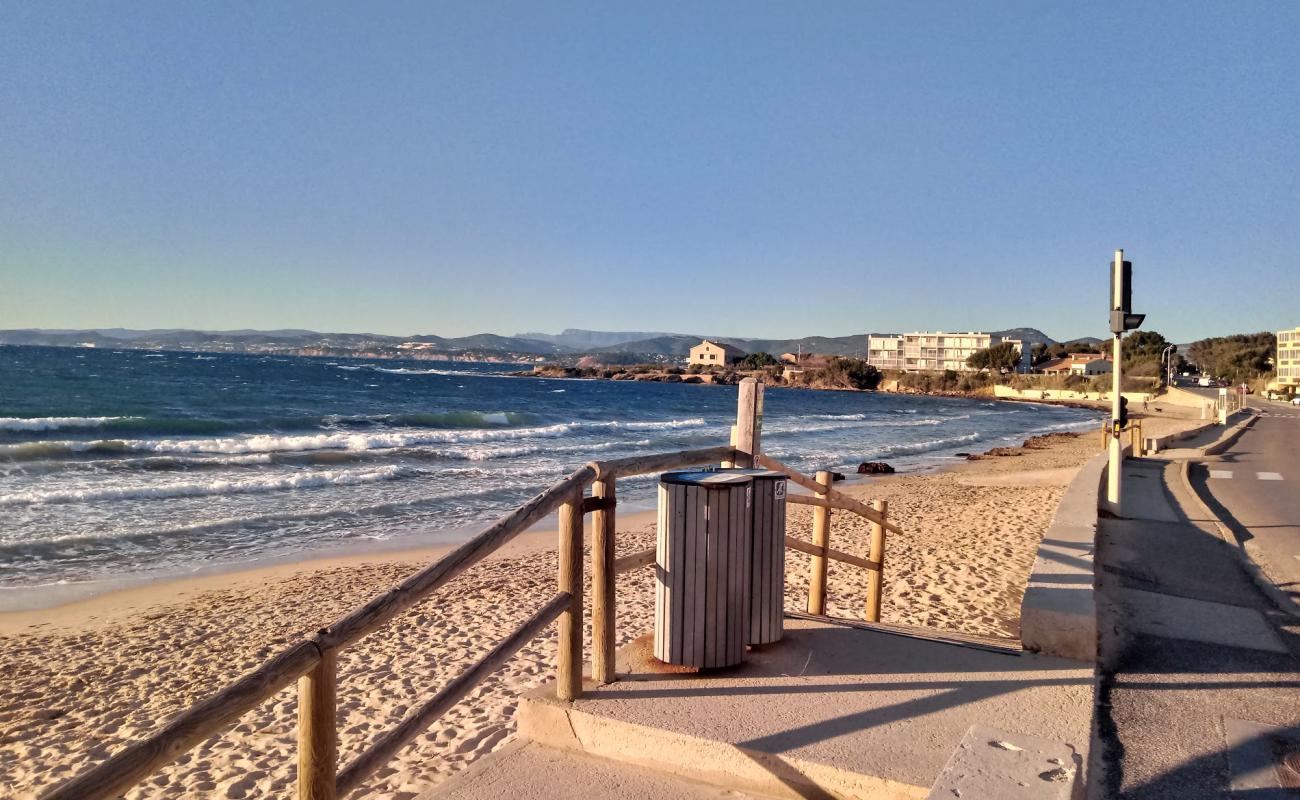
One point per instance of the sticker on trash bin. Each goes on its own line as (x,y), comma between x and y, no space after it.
(779,494)
(749,495)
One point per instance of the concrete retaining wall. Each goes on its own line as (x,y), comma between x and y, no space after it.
(1058,615)
(1008,393)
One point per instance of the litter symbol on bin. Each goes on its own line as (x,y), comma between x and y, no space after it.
(778,491)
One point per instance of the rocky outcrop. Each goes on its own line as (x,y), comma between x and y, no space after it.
(875,468)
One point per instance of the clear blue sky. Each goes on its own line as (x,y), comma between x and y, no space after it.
(752,169)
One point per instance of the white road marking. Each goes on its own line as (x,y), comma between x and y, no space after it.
(1221,474)
(1269,476)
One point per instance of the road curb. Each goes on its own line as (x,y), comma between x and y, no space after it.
(1249,555)
(1231,435)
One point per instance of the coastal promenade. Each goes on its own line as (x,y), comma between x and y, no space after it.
(1201,669)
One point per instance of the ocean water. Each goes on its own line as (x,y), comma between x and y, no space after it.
(130,464)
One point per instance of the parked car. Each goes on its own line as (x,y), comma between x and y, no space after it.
(1205,382)
(1295,401)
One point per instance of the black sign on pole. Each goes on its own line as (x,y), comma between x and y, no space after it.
(1121,317)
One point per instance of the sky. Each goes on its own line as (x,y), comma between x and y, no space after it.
(753,169)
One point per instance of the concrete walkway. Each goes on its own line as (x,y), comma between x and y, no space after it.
(526,770)
(831,711)
(1200,691)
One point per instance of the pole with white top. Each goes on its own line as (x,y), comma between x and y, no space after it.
(1121,319)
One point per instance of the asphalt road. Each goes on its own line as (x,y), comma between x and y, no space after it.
(1255,487)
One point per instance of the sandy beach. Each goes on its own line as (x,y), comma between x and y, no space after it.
(83,679)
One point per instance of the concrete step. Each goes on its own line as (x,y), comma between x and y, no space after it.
(832,711)
(526,770)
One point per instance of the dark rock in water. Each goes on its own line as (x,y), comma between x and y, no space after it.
(837,476)
(692,379)
(961,455)
(973,456)
(875,468)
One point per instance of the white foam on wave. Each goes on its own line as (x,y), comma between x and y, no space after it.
(302,480)
(273,443)
(793,426)
(491,453)
(672,424)
(29,424)
(925,446)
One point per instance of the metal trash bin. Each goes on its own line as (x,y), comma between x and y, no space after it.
(702,560)
(767,554)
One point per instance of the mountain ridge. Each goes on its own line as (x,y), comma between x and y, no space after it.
(568,343)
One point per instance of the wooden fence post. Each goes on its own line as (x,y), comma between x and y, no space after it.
(568,678)
(1105,435)
(821,536)
(317,734)
(749,422)
(602,583)
(876,577)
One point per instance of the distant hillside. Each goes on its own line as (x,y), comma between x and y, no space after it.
(579,339)
(681,344)
(571,344)
(262,341)
(1031,335)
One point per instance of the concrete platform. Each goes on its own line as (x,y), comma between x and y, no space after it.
(526,770)
(830,712)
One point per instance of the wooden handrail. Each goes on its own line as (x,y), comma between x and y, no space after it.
(835,555)
(834,499)
(643,558)
(126,768)
(640,465)
(137,761)
(418,586)
(388,745)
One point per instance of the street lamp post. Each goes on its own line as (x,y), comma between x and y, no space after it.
(1122,319)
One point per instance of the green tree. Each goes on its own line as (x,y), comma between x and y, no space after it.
(846,373)
(757,361)
(996,359)
(1143,347)
(1241,357)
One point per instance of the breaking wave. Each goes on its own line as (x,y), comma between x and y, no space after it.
(926,446)
(305,480)
(38,424)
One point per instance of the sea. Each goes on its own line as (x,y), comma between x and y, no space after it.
(131,465)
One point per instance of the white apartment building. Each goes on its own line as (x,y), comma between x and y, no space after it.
(925,352)
(885,352)
(1287,363)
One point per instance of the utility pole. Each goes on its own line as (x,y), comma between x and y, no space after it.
(1121,319)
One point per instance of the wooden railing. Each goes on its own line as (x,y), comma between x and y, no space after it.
(313,661)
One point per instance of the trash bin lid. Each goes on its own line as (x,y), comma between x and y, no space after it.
(753,473)
(705,478)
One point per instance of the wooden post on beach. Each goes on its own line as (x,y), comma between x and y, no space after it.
(317,736)
(876,577)
(821,537)
(568,677)
(1105,435)
(602,583)
(749,422)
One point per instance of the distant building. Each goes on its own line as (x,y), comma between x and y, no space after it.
(1287,362)
(1078,364)
(715,354)
(931,352)
(885,352)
